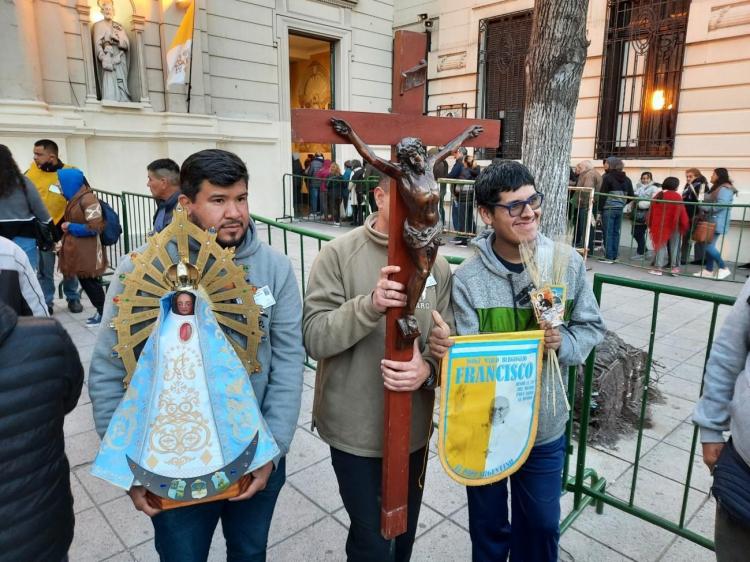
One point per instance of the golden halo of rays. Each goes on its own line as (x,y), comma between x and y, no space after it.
(221,282)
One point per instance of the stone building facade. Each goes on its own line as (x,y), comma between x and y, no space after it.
(240,95)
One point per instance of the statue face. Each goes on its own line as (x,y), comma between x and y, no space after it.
(107,9)
(184,304)
(417,162)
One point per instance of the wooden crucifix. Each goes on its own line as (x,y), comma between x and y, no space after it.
(414,224)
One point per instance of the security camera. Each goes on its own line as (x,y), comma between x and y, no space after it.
(422,17)
(428,24)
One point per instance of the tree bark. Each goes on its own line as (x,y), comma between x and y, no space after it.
(554,65)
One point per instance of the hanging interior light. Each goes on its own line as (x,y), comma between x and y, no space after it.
(658,101)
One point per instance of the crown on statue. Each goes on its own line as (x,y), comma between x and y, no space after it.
(182,276)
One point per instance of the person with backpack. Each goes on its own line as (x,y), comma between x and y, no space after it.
(82,252)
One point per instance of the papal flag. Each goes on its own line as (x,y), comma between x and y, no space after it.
(489,406)
(178,56)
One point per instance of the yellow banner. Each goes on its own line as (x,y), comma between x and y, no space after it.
(180,51)
(489,405)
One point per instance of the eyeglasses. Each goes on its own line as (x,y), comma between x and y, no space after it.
(516,208)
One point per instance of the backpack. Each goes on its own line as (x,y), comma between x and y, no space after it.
(112,229)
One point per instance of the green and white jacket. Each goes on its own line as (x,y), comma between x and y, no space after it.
(488,298)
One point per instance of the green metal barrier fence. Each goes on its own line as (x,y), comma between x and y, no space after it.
(582,491)
(588,487)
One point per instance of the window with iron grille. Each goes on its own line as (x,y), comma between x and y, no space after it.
(502,81)
(641,71)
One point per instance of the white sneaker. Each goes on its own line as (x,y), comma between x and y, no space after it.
(723,273)
(704,273)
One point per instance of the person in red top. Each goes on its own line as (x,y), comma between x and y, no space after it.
(667,222)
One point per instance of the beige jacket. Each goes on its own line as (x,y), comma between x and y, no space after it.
(589,178)
(346,335)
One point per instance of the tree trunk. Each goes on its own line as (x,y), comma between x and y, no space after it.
(554,65)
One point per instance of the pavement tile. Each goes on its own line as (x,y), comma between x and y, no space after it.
(318,483)
(132,527)
(305,412)
(625,448)
(293,513)
(428,518)
(682,438)
(691,373)
(325,540)
(441,493)
(675,408)
(97,488)
(79,420)
(656,493)
(582,548)
(461,518)
(623,533)
(145,552)
(606,464)
(672,462)
(681,388)
(81,448)
(703,524)
(124,556)
(81,499)
(306,449)
(446,541)
(94,539)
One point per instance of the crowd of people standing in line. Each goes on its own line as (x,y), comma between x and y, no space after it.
(322,191)
(658,211)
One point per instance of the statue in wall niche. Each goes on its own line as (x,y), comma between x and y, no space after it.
(112,50)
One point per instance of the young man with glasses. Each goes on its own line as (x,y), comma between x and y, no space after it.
(491,294)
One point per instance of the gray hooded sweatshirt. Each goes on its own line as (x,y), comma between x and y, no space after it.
(726,388)
(278,386)
(488,298)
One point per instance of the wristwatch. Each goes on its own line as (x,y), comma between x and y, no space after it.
(432,380)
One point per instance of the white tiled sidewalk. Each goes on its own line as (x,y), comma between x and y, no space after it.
(310,522)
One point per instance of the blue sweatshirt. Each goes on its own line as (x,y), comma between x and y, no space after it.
(726,387)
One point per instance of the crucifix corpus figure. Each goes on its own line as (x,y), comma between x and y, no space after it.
(420,192)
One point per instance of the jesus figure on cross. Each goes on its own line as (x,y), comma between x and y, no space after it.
(420,192)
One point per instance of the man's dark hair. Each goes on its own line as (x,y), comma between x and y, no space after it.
(48,145)
(219,167)
(164,164)
(506,175)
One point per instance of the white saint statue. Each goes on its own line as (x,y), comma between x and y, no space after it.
(112,50)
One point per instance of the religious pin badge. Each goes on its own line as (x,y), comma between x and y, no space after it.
(549,304)
(264,297)
(489,405)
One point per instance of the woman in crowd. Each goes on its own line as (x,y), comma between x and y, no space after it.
(667,222)
(335,186)
(644,189)
(20,207)
(82,254)
(722,192)
(693,192)
(322,175)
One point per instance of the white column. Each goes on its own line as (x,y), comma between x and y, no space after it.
(137,23)
(84,17)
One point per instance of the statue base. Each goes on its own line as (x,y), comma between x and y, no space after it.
(231,492)
(408,329)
